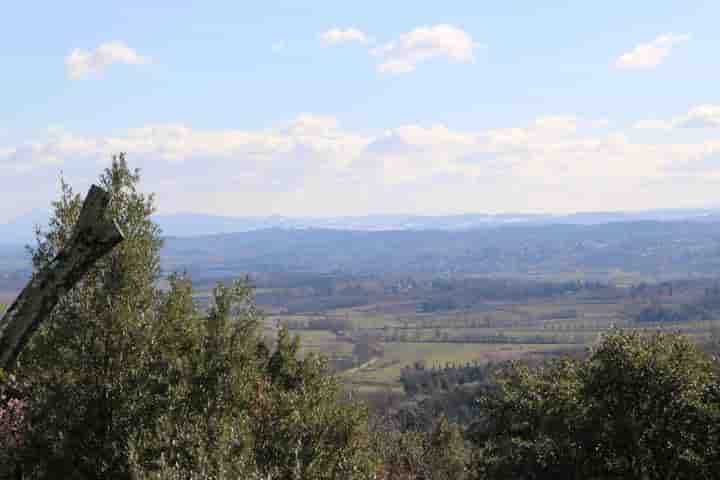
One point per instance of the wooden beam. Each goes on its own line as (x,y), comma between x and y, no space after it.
(94,236)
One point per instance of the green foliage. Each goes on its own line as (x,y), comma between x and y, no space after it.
(93,366)
(436,454)
(244,411)
(129,381)
(639,407)
(302,426)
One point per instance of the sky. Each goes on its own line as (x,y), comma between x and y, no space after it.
(330,108)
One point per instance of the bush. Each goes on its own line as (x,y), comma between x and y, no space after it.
(437,454)
(637,407)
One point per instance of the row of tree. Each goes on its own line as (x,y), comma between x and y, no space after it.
(664,314)
(418,379)
(497,338)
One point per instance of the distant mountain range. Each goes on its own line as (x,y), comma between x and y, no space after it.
(20,230)
(657,243)
(677,248)
(190,225)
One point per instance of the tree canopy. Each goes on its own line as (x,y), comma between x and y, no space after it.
(130,380)
(640,406)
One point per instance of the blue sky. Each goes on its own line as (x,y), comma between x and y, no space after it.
(348,108)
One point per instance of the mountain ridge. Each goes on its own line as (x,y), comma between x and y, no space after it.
(189,224)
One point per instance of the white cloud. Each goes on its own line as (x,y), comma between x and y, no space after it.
(653,125)
(651,54)
(701,116)
(599,123)
(423,44)
(414,153)
(566,124)
(339,35)
(307,124)
(83,63)
(312,165)
(427,137)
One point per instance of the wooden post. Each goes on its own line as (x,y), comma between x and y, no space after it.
(95,235)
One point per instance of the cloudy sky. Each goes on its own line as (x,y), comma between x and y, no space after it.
(347,108)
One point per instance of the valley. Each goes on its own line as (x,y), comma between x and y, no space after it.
(375,303)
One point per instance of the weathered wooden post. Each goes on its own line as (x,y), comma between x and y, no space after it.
(94,236)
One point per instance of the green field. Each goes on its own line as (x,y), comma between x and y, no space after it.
(322,341)
(487,331)
(492,332)
(385,371)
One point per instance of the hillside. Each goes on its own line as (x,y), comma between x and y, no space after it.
(651,248)
(20,230)
(678,248)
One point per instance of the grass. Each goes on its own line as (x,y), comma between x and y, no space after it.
(323,341)
(386,371)
(516,320)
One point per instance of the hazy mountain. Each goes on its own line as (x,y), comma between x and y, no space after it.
(675,248)
(20,230)
(438,245)
(194,224)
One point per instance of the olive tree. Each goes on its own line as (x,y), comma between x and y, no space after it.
(131,380)
(639,406)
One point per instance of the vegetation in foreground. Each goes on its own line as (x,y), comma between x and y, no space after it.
(129,381)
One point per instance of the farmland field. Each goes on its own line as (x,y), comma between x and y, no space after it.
(385,371)
(371,327)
